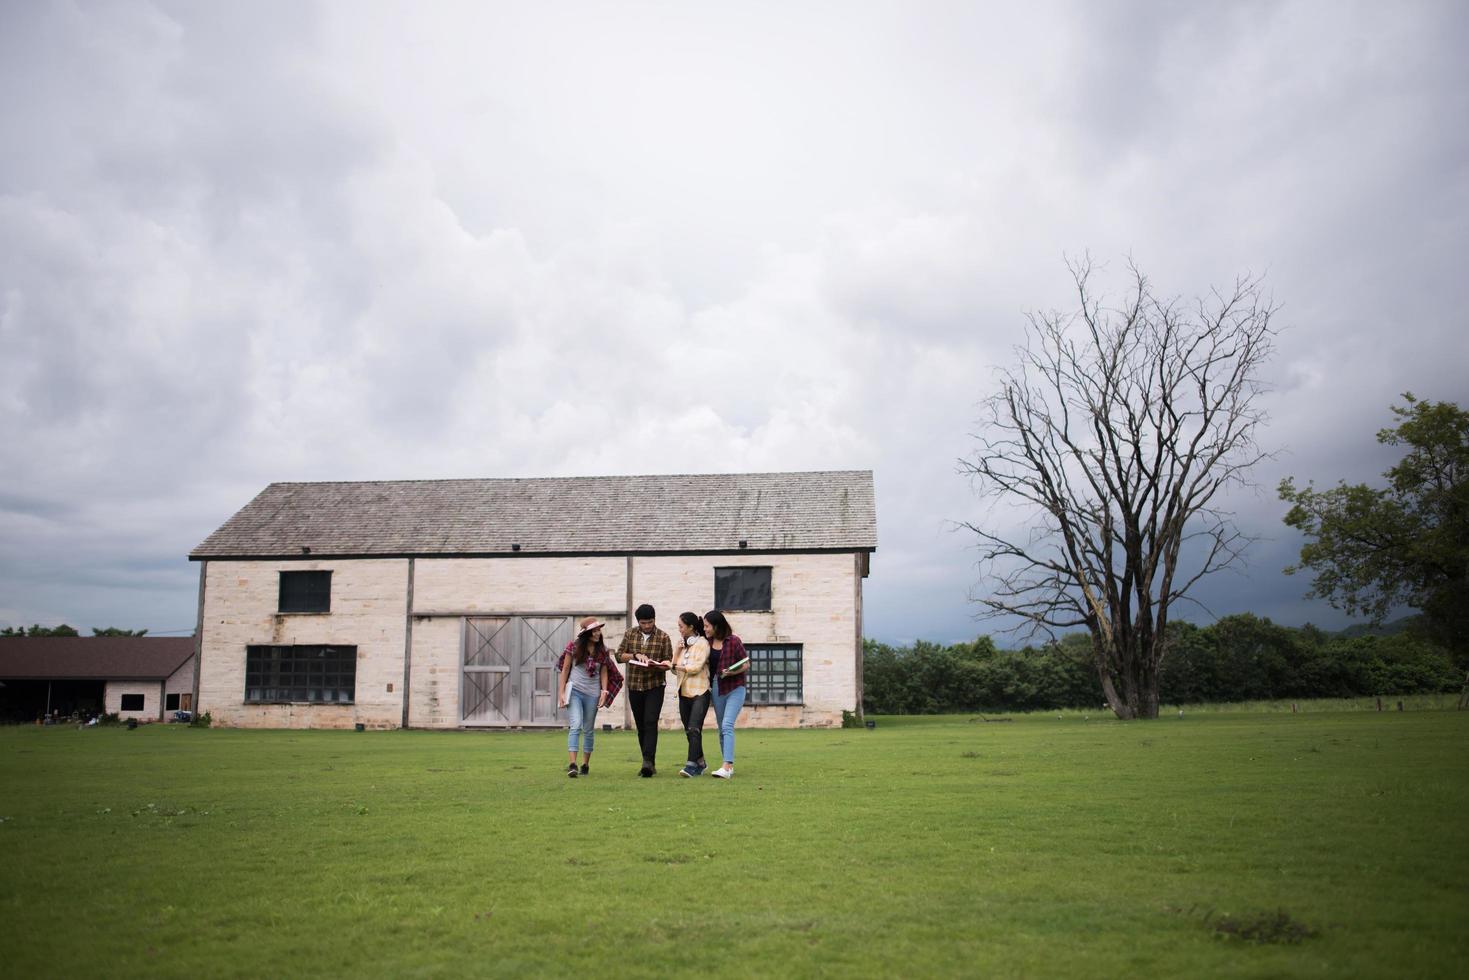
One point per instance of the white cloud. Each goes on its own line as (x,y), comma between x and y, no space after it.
(381,240)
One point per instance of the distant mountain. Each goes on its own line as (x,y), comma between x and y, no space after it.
(1399,625)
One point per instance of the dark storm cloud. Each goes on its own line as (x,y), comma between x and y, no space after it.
(358,240)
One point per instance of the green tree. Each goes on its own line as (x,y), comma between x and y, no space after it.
(1374,549)
(62,630)
(116,631)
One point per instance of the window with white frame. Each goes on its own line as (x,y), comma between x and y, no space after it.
(775,673)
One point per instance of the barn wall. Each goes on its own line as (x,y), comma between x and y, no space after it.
(368,610)
(490,586)
(812,599)
(813,596)
(112,699)
(181,681)
(512,585)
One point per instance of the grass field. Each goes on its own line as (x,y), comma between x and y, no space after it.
(929,846)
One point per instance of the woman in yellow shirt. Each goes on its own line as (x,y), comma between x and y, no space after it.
(693,689)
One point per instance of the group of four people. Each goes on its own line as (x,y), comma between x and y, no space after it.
(711,666)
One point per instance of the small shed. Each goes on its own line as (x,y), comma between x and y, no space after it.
(142,677)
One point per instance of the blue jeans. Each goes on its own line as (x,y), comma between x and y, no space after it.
(727,709)
(582,720)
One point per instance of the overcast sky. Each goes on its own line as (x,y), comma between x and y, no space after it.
(242,243)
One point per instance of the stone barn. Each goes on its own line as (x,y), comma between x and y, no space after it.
(445,603)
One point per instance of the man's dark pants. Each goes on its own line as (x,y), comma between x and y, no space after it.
(646,706)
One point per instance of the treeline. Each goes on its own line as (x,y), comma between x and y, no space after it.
(65,630)
(1238,658)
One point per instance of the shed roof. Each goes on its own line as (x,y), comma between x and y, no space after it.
(101,658)
(815,511)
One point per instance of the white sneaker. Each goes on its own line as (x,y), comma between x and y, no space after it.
(723,772)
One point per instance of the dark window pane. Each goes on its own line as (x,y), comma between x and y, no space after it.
(742,588)
(306,592)
(310,673)
(171,702)
(132,702)
(775,674)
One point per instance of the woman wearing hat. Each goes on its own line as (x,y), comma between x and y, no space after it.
(585,678)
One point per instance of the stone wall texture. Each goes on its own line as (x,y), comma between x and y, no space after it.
(814,599)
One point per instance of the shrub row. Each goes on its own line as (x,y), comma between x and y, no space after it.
(1238,658)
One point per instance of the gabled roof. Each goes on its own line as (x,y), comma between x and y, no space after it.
(819,511)
(100,658)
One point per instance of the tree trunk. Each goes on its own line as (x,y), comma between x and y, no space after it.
(1109,691)
(1464,695)
(1148,701)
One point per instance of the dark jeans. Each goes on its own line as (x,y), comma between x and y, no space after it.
(646,706)
(693,711)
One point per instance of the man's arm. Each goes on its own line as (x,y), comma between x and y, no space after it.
(624,649)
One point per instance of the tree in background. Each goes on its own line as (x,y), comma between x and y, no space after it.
(1239,658)
(1407,544)
(1118,429)
(65,630)
(62,630)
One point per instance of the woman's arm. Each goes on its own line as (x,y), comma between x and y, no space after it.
(602,680)
(738,652)
(565,676)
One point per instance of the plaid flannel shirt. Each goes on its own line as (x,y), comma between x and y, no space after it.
(721,660)
(598,658)
(692,669)
(657,646)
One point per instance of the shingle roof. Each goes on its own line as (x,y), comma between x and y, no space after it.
(567,515)
(102,658)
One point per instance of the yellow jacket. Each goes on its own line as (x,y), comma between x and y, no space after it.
(693,678)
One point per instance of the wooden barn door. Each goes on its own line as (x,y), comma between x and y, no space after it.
(484,697)
(509,669)
(542,639)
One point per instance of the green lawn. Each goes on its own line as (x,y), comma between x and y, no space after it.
(930,846)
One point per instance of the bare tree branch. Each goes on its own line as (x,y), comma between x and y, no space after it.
(1117,429)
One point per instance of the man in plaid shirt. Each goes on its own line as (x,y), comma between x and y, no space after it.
(650,646)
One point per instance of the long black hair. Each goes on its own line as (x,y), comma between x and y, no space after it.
(584,647)
(716,620)
(693,622)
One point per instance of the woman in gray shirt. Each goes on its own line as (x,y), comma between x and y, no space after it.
(583,689)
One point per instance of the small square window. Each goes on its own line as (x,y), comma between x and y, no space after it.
(132,702)
(171,702)
(744,588)
(306,592)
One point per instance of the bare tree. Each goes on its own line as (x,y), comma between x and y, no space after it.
(1119,428)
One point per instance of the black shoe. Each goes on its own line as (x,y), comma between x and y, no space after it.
(584,768)
(571,770)
(646,771)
